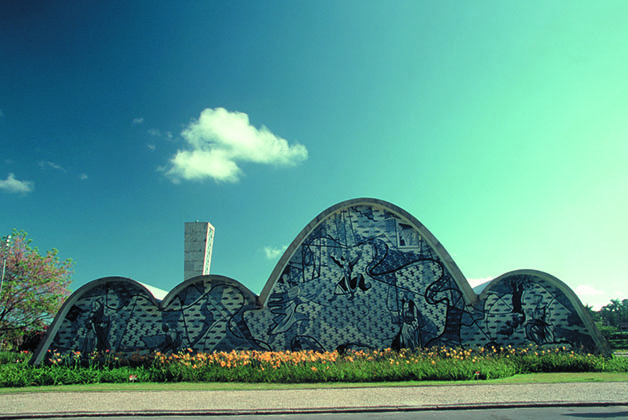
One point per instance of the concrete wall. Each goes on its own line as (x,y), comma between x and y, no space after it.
(363,274)
(198,245)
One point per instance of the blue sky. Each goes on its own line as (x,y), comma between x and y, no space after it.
(500,125)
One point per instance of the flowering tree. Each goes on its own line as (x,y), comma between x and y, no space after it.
(33,289)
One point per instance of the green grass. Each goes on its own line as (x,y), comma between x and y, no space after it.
(533,378)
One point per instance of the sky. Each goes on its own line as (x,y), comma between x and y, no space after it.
(500,125)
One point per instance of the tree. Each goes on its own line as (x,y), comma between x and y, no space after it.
(616,314)
(33,289)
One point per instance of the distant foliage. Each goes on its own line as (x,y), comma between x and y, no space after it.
(33,290)
(615,314)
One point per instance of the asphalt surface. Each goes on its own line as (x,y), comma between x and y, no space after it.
(290,401)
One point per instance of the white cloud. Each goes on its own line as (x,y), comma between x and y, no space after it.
(138,120)
(158,133)
(274,253)
(199,164)
(13,185)
(151,147)
(586,290)
(51,165)
(220,139)
(83,177)
(590,295)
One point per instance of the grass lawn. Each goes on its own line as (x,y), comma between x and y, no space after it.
(558,377)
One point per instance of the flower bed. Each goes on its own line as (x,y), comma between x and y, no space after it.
(303,366)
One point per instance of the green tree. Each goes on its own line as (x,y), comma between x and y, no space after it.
(615,314)
(33,289)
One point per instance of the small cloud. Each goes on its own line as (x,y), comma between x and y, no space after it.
(593,296)
(138,120)
(151,147)
(51,165)
(14,185)
(586,290)
(219,140)
(273,253)
(83,177)
(1,114)
(158,133)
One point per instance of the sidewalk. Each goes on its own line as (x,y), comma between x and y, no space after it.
(57,404)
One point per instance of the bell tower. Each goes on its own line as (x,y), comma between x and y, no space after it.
(199,240)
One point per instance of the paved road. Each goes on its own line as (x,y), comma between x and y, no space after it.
(345,400)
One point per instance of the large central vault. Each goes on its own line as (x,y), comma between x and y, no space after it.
(364,274)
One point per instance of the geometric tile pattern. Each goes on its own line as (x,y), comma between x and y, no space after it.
(519,309)
(120,315)
(362,275)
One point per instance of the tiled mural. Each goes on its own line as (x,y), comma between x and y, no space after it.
(120,315)
(521,309)
(363,275)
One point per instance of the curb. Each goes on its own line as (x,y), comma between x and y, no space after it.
(323,410)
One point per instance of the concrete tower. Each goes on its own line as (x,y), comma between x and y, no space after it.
(199,239)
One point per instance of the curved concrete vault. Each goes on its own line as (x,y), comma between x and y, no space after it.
(363,274)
